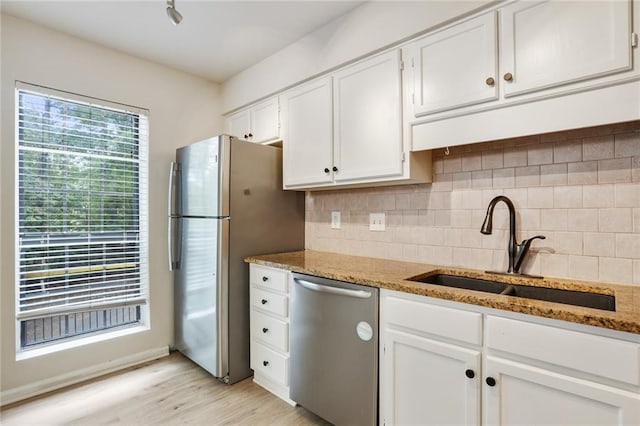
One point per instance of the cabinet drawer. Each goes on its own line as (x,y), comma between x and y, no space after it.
(601,356)
(270,363)
(270,330)
(275,279)
(271,302)
(437,320)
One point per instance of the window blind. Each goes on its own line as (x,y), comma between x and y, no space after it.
(82,204)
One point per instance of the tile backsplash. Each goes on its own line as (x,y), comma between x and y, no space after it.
(579,188)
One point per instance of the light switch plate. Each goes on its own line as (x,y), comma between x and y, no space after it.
(376,222)
(335,220)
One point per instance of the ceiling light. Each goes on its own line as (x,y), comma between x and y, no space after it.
(172,13)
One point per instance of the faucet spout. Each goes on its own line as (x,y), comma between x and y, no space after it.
(487,228)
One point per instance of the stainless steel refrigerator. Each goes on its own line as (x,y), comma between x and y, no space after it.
(225,203)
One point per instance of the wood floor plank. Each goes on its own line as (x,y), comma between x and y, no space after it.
(169,391)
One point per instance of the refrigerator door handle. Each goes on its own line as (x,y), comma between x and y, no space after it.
(360,294)
(171,218)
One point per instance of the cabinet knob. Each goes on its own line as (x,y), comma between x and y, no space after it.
(470,373)
(246,136)
(263,301)
(335,169)
(250,135)
(265,279)
(265,363)
(508,77)
(326,170)
(264,330)
(491,381)
(490,81)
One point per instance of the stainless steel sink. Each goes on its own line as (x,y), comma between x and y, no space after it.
(568,297)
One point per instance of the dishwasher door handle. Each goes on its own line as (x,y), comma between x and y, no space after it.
(360,294)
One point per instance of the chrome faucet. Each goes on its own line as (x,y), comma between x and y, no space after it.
(516,251)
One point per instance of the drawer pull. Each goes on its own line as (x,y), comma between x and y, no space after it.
(264,330)
(265,363)
(470,373)
(508,77)
(265,279)
(491,381)
(264,301)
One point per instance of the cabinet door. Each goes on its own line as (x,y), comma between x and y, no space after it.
(307,136)
(455,67)
(549,43)
(368,119)
(524,394)
(425,382)
(238,124)
(264,121)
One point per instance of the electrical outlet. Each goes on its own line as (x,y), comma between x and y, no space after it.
(335,220)
(376,222)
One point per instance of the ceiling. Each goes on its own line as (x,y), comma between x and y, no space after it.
(215,40)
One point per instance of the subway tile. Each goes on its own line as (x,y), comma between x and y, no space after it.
(442,218)
(636,271)
(428,217)
(461,218)
(482,179)
(393,218)
(582,220)
(540,154)
(442,182)
(517,195)
(471,162)
(410,218)
(410,252)
(435,254)
(599,244)
(477,218)
(540,198)
(553,174)
(492,160)
(567,152)
(529,219)
(585,173)
(402,201)
(490,194)
(627,145)
(615,220)
(636,220)
(498,240)
(434,236)
(452,164)
(563,242)
(421,200)
(583,267)
(615,270)
(472,239)
(527,176)
(628,245)
(554,137)
(554,265)
(567,197)
(554,220)
(618,170)
(504,178)
(627,195)
(597,148)
(461,180)
(635,169)
(472,257)
(515,157)
(438,165)
(456,199)
(598,196)
(471,199)
(452,237)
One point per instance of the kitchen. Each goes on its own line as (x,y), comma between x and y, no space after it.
(576,183)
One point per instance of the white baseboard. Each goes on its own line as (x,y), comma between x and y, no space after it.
(77,376)
(277,389)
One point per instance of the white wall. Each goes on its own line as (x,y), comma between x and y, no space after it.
(365,29)
(182,108)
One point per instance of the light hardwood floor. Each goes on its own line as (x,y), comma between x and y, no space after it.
(169,391)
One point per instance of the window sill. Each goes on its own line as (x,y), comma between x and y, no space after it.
(23,354)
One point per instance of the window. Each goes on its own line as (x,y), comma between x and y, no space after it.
(82,215)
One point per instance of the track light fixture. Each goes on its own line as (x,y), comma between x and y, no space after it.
(172,13)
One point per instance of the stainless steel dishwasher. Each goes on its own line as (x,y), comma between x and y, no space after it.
(334,349)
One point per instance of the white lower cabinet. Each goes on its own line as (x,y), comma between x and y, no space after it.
(269,318)
(519,372)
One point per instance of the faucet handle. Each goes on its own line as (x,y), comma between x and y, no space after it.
(523,248)
(529,240)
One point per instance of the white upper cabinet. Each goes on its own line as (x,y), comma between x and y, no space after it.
(455,67)
(307,134)
(258,123)
(368,119)
(346,129)
(551,43)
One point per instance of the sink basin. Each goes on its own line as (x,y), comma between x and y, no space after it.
(568,297)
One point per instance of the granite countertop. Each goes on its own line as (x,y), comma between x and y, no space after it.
(391,274)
